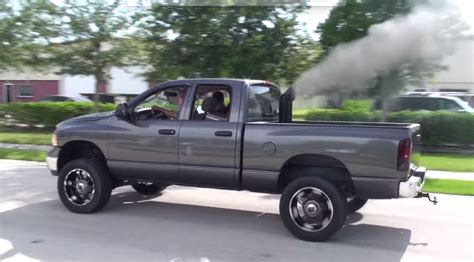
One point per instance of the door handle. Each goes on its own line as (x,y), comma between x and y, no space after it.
(169,132)
(223,133)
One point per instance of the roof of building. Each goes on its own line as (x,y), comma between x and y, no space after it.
(28,75)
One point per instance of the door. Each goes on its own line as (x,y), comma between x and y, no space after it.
(7,92)
(146,145)
(208,139)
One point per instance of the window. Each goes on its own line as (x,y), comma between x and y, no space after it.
(420,90)
(264,102)
(415,103)
(449,105)
(211,103)
(57,99)
(165,104)
(453,90)
(25,90)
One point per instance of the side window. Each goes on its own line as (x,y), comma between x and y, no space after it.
(420,104)
(211,103)
(165,104)
(414,103)
(449,105)
(264,103)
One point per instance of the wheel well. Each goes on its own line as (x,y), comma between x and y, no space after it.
(79,149)
(325,167)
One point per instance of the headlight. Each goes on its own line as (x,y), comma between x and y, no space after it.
(54,139)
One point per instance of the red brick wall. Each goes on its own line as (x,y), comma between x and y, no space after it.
(40,88)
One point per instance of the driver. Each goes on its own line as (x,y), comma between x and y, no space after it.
(170,114)
(221,109)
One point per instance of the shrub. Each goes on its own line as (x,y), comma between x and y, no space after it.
(46,113)
(356,105)
(440,127)
(340,115)
(437,128)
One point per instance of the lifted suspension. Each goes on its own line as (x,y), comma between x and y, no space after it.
(431,198)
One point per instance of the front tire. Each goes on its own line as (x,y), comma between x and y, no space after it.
(312,209)
(84,186)
(148,188)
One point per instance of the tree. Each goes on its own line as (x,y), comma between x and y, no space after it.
(8,38)
(226,41)
(352,20)
(90,39)
(23,34)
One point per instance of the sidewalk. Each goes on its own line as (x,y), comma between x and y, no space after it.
(25,146)
(450,175)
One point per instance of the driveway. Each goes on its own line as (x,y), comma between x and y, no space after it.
(193,224)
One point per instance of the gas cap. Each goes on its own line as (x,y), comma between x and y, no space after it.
(269,148)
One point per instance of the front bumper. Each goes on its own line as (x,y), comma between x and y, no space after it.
(413,186)
(52,160)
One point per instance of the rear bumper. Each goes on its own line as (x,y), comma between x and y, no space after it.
(413,186)
(52,160)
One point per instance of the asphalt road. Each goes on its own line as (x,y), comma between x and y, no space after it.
(191,224)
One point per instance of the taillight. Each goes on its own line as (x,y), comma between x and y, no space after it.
(404,151)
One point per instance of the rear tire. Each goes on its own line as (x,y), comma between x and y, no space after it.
(148,188)
(312,209)
(84,185)
(355,204)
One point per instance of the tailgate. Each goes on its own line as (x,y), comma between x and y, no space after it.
(415,132)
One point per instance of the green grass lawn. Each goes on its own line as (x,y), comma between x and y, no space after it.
(299,114)
(23,137)
(449,186)
(448,162)
(22,154)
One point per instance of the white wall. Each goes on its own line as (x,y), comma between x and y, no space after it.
(127,81)
(124,81)
(460,74)
(75,85)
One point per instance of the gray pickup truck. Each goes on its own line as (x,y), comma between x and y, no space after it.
(236,134)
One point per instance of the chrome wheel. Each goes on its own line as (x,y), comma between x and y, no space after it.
(311,209)
(79,187)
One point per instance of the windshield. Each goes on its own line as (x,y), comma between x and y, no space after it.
(463,104)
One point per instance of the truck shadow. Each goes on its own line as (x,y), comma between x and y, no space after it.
(134,226)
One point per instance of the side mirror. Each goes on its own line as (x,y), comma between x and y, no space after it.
(122,111)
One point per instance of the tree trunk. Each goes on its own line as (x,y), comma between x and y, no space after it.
(96,93)
(98,76)
(389,84)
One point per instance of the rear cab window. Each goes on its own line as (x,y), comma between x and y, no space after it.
(263,103)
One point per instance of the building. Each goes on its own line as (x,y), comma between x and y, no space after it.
(28,86)
(459,76)
(31,86)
